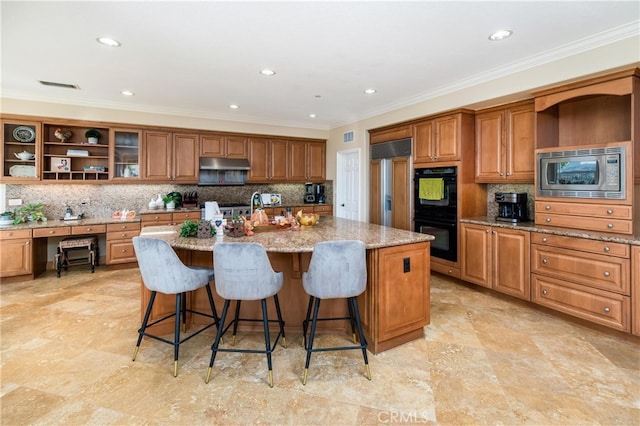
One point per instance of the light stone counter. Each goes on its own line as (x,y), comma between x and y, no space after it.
(531,226)
(302,240)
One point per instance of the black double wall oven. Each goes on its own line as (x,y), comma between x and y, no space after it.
(436,209)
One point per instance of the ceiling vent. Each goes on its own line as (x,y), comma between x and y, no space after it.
(63,85)
(347,137)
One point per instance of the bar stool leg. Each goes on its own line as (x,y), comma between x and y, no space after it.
(213,306)
(235,323)
(352,321)
(216,342)
(143,327)
(312,334)
(267,339)
(363,340)
(176,336)
(280,321)
(305,323)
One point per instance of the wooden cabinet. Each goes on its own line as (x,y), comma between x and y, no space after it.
(170,156)
(400,200)
(585,278)
(269,160)
(438,139)
(323,209)
(156,219)
(505,144)
(496,258)
(223,146)
(307,161)
(125,154)
(396,304)
(88,229)
(15,253)
(119,244)
(73,159)
(588,217)
(20,136)
(390,133)
(178,218)
(635,290)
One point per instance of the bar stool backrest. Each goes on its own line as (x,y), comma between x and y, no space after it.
(163,271)
(337,269)
(243,272)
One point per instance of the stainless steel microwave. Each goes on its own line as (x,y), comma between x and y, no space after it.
(590,172)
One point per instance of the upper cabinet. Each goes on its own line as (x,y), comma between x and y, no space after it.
(125,154)
(21,142)
(307,161)
(439,139)
(504,144)
(71,152)
(223,146)
(275,160)
(391,133)
(170,157)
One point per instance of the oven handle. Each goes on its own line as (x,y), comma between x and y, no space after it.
(428,221)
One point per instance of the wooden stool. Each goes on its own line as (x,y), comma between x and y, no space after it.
(88,244)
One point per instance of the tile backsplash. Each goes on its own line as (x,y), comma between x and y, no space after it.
(105,199)
(492,206)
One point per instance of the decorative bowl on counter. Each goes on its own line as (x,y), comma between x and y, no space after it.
(307,219)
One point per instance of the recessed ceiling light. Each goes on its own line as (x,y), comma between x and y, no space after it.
(500,35)
(312,116)
(127,93)
(234,106)
(267,72)
(108,41)
(370,91)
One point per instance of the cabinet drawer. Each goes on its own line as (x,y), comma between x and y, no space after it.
(582,244)
(193,216)
(326,209)
(157,219)
(122,235)
(52,232)
(594,270)
(88,229)
(120,252)
(10,234)
(128,226)
(591,210)
(617,226)
(602,307)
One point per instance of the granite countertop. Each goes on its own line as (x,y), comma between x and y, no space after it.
(57,223)
(531,226)
(302,240)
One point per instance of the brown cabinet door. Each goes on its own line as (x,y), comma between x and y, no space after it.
(446,145)
(185,156)
(489,159)
(236,147)
(635,290)
(298,161)
(258,149)
(423,142)
(400,201)
(212,146)
(475,242)
(511,262)
(520,144)
(375,192)
(316,161)
(15,257)
(156,156)
(279,165)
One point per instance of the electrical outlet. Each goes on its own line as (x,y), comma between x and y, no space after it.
(85,202)
(15,201)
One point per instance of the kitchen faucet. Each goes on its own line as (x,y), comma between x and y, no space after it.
(255,201)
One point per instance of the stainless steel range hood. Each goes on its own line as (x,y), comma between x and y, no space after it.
(223,171)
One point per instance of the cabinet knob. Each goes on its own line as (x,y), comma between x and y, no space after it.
(487,231)
(607,249)
(548,220)
(508,174)
(9,234)
(607,309)
(123,235)
(545,261)
(501,174)
(607,273)
(547,207)
(52,232)
(609,211)
(544,239)
(544,292)
(123,251)
(27,243)
(493,232)
(450,271)
(124,226)
(609,225)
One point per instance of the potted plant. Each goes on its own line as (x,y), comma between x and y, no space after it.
(92,136)
(30,213)
(171,200)
(6,217)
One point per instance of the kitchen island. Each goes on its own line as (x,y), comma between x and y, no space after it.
(394,307)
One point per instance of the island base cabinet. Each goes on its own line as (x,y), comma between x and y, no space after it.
(635,290)
(598,306)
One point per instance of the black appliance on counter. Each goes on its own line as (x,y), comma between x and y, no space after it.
(309,194)
(319,189)
(436,212)
(512,207)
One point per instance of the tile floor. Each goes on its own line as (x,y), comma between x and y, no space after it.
(66,349)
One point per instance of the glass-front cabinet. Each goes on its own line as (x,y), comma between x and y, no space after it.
(21,142)
(125,154)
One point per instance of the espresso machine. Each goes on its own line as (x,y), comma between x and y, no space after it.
(512,207)
(320,198)
(309,193)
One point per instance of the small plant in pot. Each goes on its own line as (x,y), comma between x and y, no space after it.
(7,216)
(172,200)
(93,136)
(30,213)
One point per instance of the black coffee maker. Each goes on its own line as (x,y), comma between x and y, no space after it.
(512,207)
(320,198)
(309,193)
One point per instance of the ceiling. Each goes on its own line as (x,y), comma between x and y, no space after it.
(197,58)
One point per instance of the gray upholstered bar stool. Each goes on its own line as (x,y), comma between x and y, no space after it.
(244,272)
(162,271)
(337,270)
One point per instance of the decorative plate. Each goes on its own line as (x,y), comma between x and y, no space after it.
(24,134)
(22,171)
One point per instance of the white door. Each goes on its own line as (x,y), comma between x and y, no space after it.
(348,184)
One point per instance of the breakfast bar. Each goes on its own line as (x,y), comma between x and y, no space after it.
(394,307)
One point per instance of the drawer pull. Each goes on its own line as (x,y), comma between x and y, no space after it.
(123,251)
(545,292)
(609,225)
(545,261)
(547,207)
(27,243)
(607,309)
(52,232)
(548,219)
(544,239)
(607,274)
(607,249)
(487,231)
(609,211)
